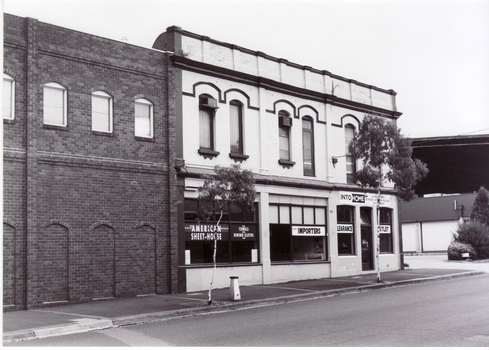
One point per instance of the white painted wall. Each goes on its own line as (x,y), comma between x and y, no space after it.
(437,235)
(261,140)
(296,272)
(432,236)
(411,237)
(261,144)
(280,70)
(200,278)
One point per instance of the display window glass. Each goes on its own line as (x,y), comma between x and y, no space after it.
(345,229)
(297,233)
(385,225)
(236,235)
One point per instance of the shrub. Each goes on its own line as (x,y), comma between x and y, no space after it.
(456,249)
(480,208)
(477,235)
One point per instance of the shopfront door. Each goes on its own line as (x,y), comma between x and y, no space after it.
(367,251)
(367,239)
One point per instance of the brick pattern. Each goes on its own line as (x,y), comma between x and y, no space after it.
(87,215)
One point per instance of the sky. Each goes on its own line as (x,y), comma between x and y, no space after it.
(433,53)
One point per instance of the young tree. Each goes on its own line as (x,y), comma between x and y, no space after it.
(480,207)
(229,185)
(385,155)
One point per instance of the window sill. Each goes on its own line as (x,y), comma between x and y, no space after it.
(102,133)
(297,262)
(207,265)
(9,121)
(208,153)
(286,164)
(145,139)
(55,127)
(238,157)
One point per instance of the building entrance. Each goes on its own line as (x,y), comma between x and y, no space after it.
(367,239)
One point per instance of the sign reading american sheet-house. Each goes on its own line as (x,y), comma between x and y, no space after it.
(308,231)
(203,232)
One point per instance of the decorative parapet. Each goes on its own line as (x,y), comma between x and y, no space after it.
(206,50)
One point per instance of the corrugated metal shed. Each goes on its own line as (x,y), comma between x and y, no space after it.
(446,207)
(457,164)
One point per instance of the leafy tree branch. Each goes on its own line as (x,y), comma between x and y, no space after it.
(228,185)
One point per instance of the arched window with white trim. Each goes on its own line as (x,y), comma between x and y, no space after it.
(308,146)
(8,97)
(143,118)
(350,160)
(285,123)
(101,111)
(55,104)
(236,126)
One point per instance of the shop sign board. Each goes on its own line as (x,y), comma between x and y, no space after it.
(344,228)
(308,231)
(206,232)
(385,228)
(243,232)
(366,198)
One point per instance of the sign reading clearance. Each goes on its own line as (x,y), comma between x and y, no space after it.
(308,231)
(368,198)
(344,228)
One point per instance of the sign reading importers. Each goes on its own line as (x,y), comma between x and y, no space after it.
(308,231)
(367,198)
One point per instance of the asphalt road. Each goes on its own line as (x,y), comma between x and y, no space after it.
(443,313)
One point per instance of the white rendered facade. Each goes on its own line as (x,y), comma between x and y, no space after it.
(299,163)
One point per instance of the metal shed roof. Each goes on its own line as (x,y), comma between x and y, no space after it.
(445,207)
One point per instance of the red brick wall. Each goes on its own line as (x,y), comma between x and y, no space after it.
(91,214)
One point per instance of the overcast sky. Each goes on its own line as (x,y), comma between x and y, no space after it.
(434,54)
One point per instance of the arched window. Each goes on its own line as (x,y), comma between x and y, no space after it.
(236,126)
(285,122)
(143,118)
(350,160)
(101,111)
(308,146)
(8,97)
(207,109)
(55,104)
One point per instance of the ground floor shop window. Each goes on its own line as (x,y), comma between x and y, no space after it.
(297,233)
(345,229)
(385,226)
(236,235)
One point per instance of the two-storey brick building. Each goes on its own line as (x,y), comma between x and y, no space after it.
(104,147)
(290,125)
(88,167)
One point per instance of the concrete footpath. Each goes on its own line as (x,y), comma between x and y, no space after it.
(102,314)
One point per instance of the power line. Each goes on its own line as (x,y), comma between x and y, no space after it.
(471,132)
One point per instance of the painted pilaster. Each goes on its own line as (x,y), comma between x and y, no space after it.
(333,237)
(264,218)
